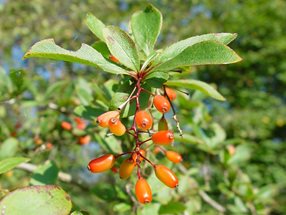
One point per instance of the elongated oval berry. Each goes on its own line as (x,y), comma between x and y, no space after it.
(66,125)
(143,120)
(173,156)
(104,118)
(126,168)
(83,140)
(171,93)
(163,137)
(143,191)
(162,124)
(102,163)
(161,103)
(116,127)
(166,176)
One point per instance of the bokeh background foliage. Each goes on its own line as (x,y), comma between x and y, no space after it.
(36,95)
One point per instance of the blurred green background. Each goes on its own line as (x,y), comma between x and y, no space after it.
(254,115)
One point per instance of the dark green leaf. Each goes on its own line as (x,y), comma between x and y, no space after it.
(35,200)
(157,79)
(45,174)
(146,26)
(102,48)
(122,47)
(87,112)
(85,55)
(10,163)
(197,85)
(172,208)
(95,25)
(203,53)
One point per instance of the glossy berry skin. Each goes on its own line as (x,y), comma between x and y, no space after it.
(143,191)
(161,103)
(104,118)
(143,120)
(102,163)
(83,140)
(116,127)
(171,93)
(173,156)
(66,125)
(163,137)
(166,176)
(126,168)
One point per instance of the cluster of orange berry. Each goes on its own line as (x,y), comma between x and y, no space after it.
(81,125)
(142,123)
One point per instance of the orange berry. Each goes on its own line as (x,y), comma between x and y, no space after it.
(80,123)
(113,58)
(143,191)
(156,150)
(143,120)
(102,163)
(161,103)
(231,149)
(83,140)
(162,124)
(38,140)
(104,118)
(116,127)
(66,125)
(142,152)
(166,176)
(126,168)
(163,137)
(171,93)
(114,169)
(49,146)
(173,156)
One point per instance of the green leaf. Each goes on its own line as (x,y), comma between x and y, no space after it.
(122,47)
(87,112)
(84,91)
(45,174)
(157,79)
(8,148)
(172,208)
(102,48)
(34,200)
(95,25)
(242,154)
(197,85)
(10,163)
(146,26)
(85,55)
(178,47)
(203,53)
(121,207)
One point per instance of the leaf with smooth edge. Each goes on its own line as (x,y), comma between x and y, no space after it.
(95,25)
(178,47)
(122,47)
(196,85)
(10,163)
(85,55)
(146,26)
(203,53)
(35,200)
